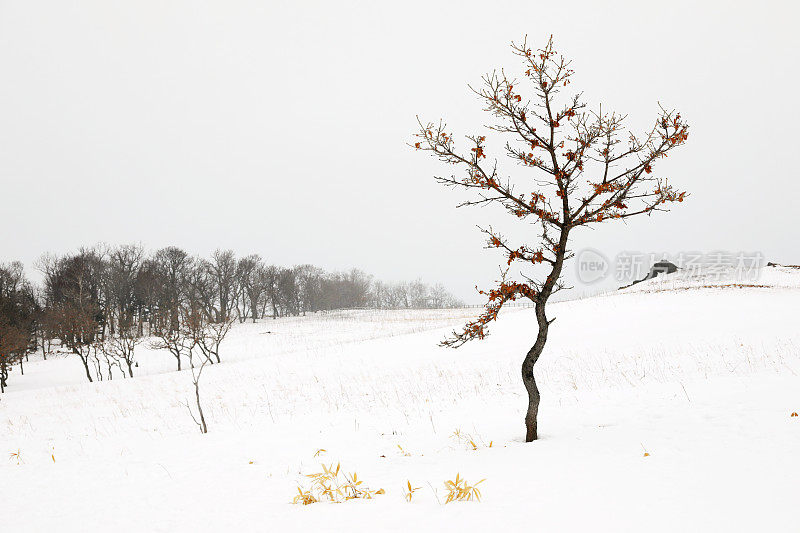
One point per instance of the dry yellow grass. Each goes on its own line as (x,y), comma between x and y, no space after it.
(460,490)
(335,486)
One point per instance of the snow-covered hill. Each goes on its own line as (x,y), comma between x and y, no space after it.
(663,409)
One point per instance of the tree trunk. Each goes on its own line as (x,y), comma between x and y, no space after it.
(531,426)
(85,361)
(531,416)
(254,309)
(203,426)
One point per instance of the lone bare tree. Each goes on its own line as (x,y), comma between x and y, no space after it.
(177,341)
(197,373)
(194,325)
(584,168)
(122,346)
(208,337)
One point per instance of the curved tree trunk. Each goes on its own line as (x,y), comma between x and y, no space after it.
(531,428)
(78,350)
(202,423)
(85,361)
(531,425)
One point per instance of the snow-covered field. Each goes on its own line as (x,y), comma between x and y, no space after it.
(663,410)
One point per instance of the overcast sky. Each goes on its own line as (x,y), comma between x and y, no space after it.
(279,128)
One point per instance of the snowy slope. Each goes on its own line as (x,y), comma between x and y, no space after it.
(703,381)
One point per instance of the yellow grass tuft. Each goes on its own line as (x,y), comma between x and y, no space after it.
(334,485)
(460,490)
(409,493)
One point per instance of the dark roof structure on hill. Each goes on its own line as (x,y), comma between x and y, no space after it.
(660,267)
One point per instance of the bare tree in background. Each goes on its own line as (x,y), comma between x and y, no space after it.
(418,295)
(176,341)
(248,290)
(13,342)
(288,292)
(168,274)
(208,336)
(74,313)
(583,168)
(309,286)
(271,288)
(149,297)
(18,315)
(222,278)
(124,263)
(122,346)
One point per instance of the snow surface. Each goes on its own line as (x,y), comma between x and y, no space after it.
(703,381)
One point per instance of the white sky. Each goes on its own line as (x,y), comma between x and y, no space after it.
(279,128)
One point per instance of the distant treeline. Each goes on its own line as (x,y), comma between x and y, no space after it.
(101,297)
